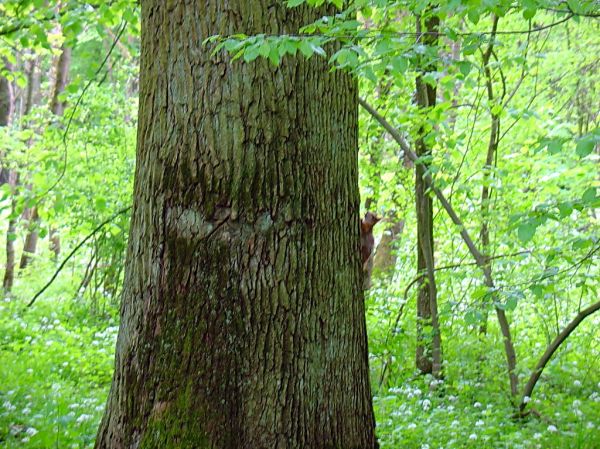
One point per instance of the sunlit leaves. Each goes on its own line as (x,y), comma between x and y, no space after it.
(272,48)
(315,3)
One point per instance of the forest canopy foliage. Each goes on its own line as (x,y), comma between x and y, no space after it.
(481,307)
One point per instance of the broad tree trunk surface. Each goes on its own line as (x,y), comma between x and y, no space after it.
(242,321)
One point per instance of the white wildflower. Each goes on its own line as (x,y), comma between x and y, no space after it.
(526,399)
(426,404)
(537,436)
(26,411)
(473,436)
(552,428)
(477,405)
(577,383)
(412,425)
(83,418)
(479,423)
(31,431)
(590,425)
(8,406)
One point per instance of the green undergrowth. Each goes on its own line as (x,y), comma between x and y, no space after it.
(56,362)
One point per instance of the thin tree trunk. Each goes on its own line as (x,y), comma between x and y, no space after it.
(490,162)
(31,214)
(549,352)
(57,107)
(30,245)
(384,261)
(63,64)
(8,176)
(9,270)
(242,313)
(429,343)
(481,260)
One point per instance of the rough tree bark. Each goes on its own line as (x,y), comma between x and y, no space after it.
(429,344)
(242,320)
(57,107)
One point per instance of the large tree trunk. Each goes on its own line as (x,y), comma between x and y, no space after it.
(429,345)
(57,107)
(242,321)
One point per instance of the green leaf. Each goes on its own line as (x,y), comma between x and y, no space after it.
(554,146)
(511,303)
(581,243)
(464,67)
(526,231)
(399,64)
(100,204)
(585,146)
(274,55)
(565,209)
(473,317)
(529,13)
(473,15)
(306,48)
(251,53)
(589,195)
(537,290)
(289,47)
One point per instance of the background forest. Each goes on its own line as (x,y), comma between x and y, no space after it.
(478,283)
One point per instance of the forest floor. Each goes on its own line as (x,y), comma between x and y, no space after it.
(56,365)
